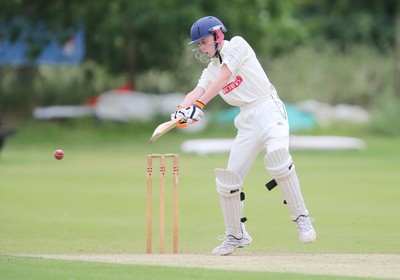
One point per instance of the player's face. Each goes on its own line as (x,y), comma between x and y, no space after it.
(207,45)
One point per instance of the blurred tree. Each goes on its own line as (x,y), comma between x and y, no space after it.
(123,35)
(397,61)
(268,25)
(133,36)
(347,22)
(57,17)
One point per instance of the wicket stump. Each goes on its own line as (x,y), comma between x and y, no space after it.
(175,162)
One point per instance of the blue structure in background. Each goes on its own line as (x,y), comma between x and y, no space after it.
(52,51)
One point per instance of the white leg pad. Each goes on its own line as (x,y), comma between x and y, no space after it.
(229,187)
(280,166)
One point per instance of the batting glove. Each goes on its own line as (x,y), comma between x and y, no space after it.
(180,112)
(195,112)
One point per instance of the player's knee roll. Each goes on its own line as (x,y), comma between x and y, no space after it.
(229,183)
(279,163)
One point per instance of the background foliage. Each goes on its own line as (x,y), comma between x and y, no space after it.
(334,51)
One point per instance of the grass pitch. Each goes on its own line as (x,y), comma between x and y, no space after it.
(93,201)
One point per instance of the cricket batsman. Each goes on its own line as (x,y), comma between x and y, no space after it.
(234,72)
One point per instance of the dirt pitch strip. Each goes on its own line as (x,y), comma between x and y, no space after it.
(358,265)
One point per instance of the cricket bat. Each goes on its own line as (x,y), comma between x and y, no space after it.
(163,128)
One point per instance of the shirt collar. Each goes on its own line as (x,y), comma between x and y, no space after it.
(222,52)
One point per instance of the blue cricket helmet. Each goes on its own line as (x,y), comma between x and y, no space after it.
(204,27)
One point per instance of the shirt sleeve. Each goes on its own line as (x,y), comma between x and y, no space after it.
(205,79)
(236,53)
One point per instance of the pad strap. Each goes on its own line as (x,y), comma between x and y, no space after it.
(271,184)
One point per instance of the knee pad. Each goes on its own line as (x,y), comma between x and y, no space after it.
(228,182)
(279,163)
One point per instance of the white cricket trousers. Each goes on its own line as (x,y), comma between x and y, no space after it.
(261,125)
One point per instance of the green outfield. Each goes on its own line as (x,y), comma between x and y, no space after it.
(93,202)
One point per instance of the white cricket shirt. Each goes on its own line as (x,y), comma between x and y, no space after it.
(248,83)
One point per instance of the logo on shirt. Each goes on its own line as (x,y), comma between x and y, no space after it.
(232,85)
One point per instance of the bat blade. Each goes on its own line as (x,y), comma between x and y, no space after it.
(163,128)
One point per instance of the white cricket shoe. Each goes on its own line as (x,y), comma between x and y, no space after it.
(231,243)
(307,233)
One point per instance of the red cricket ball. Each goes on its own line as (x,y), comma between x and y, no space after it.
(58,154)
